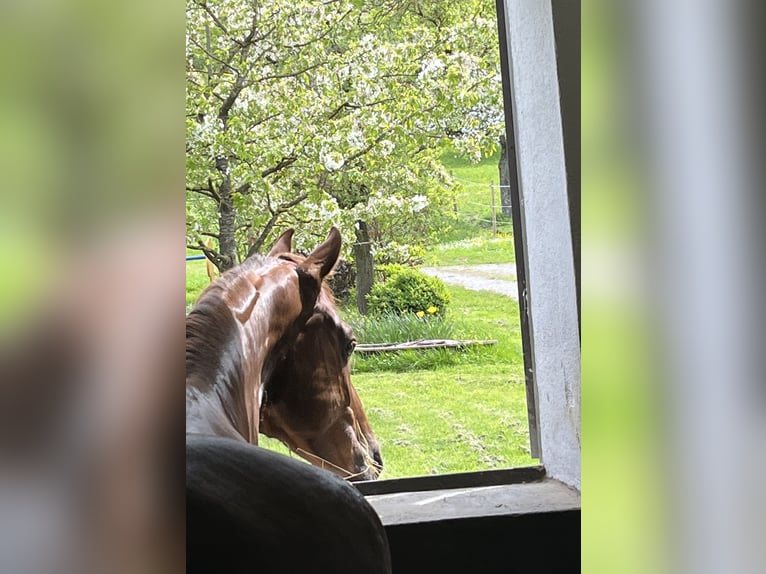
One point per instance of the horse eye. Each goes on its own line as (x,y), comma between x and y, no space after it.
(350,346)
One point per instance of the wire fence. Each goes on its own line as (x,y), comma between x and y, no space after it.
(493,205)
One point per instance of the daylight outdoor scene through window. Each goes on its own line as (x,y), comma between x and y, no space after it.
(386,121)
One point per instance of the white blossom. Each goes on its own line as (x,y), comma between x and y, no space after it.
(332,161)
(386,147)
(356,138)
(419,203)
(430,67)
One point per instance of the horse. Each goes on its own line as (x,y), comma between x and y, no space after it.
(248,508)
(311,405)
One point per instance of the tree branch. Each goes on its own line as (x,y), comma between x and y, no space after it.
(216,258)
(212,56)
(323,34)
(283,163)
(338,110)
(208,191)
(218,23)
(367,149)
(201,191)
(223,113)
(256,245)
(291,74)
(290,204)
(275,214)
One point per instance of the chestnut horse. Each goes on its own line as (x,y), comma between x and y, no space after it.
(248,508)
(310,404)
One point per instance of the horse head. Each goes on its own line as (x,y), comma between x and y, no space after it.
(310,404)
(238,329)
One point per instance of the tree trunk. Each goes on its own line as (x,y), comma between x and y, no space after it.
(505,178)
(227,243)
(364,266)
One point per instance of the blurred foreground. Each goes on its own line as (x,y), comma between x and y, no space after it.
(673,340)
(91,329)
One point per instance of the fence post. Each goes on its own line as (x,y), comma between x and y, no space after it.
(494,213)
(454,195)
(364,265)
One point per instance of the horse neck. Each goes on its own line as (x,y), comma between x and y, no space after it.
(224,359)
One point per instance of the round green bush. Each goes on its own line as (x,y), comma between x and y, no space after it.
(407,290)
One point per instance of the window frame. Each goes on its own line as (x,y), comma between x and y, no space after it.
(545,264)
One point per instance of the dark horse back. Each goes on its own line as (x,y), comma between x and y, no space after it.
(252,510)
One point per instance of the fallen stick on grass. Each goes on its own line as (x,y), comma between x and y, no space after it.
(420,344)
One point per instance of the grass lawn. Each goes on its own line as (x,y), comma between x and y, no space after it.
(483,248)
(470,239)
(467,410)
(196,278)
(454,419)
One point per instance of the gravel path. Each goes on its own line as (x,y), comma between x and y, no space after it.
(498,278)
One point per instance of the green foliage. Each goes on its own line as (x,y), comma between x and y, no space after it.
(338,113)
(408,290)
(394,328)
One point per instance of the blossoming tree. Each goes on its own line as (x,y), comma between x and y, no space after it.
(304,112)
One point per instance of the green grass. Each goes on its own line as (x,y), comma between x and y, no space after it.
(400,329)
(469,238)
(196,278)
(454,419)
(196,281)
(441,411)
(473,251)
(473,197)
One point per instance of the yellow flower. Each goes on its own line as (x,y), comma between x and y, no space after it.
(420,314)
(432,309)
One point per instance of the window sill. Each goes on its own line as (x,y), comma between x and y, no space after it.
(538,497)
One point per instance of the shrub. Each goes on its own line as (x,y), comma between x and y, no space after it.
(407,290)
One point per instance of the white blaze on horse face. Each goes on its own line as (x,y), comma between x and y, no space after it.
(260,396)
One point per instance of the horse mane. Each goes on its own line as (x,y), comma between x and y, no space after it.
(212,335)
(212,340)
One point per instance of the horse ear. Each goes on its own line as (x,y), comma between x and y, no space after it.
(284,244)
(322,260)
